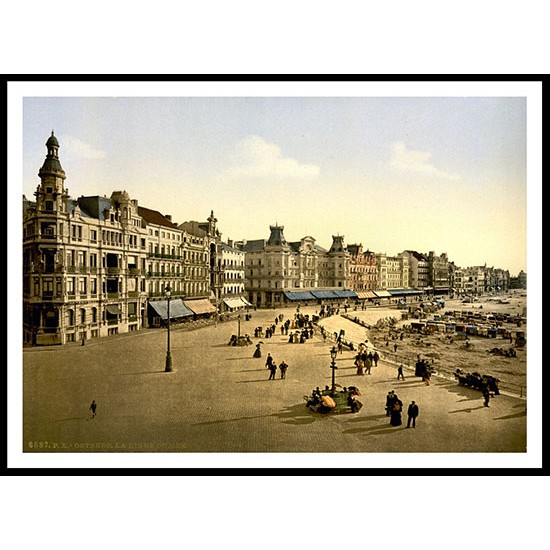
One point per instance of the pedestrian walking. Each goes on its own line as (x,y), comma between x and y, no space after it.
(395,348)
(412,413)
(368,364)
(375,358)
(400,373)
(282,367)
(272,371)
(93,408)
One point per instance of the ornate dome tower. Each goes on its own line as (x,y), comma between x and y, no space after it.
(50,194)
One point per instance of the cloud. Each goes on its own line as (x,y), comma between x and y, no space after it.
(256,158)
(81,149)
(409,160)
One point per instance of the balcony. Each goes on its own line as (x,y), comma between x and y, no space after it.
(112,321)
(112,295)
(134,271)
(113,271)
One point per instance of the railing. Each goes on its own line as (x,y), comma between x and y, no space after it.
(113,270)
(112,295)
(163,256)
(112,321)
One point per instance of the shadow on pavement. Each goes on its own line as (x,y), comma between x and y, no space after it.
(508,417)
(295,415)
(358,419)
(252,370)
(298,415)
(249,381)
(469,394)
(71,419)
(376,430)
(467,410)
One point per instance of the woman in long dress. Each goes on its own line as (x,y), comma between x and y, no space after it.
(395,419)
(258,352)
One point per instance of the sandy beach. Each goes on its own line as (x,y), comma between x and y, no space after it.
(446,354)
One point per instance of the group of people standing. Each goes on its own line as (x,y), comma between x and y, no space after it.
(394,409)
(272,366)
(365,361)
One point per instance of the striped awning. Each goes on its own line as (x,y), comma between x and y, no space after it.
(365,294)
(177,309)
(200,307)
(233,303)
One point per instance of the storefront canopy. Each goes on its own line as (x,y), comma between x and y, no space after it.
(201,306)
(245,301)
(298,295)
(345,293)
(233,303)
(403,291)
(325,294)
(177,309)
(113,309)
(382,294)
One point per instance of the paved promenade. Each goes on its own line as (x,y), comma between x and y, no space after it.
(219,399)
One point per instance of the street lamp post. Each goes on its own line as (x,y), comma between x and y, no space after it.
(333,366)
(239,328)
(168,367)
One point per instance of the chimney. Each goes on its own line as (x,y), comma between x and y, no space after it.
(230,242)
(168,217)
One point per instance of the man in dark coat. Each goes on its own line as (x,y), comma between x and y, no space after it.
(412,413)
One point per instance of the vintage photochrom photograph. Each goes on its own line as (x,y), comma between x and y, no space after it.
(291,273)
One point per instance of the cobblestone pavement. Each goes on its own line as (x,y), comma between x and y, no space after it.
(219,399)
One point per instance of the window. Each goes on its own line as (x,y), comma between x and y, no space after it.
(93,286)
(48,287)
(93,235)
(82,285)
(70,285)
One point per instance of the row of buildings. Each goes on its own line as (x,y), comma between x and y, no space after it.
(95,266)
